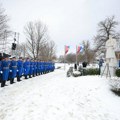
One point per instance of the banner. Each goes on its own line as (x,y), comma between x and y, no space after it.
(79,49)
(66,49)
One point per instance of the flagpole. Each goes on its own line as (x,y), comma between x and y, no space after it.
(76,54)
(64,57)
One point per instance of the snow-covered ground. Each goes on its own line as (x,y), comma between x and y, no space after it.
(55,97)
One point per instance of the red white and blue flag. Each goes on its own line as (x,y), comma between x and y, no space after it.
(66,49)
(79,49)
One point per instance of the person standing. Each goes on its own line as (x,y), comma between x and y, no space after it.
(13,70)
(31,69)
(26,66)
(34,66)
(19,69)
(1,69)
(5,70)
(75,66)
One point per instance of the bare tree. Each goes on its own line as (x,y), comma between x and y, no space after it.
(35,35)
(4,29)
(61,59)
(51,50)
(48,51)
(70,58)
(3,22)
(88,54)
(38,43)
(106,28)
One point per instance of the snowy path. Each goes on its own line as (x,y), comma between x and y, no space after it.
(55,97)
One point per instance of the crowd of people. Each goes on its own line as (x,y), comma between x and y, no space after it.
(11,68)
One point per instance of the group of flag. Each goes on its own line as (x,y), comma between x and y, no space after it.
(78,49)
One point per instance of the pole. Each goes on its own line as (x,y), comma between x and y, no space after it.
(64,57)
(4,42)
(76,54)
(18,45)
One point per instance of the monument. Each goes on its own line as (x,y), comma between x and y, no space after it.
(111,60)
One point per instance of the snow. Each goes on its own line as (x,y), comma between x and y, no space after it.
(53,96)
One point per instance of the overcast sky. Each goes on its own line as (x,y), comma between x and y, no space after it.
(69,21)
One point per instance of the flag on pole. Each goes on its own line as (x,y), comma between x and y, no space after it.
(66,49)
(79,49)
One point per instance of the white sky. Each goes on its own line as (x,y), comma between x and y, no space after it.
(69,21)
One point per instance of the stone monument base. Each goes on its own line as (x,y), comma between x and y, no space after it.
(108,70)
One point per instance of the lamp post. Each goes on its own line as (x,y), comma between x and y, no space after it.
(15,44)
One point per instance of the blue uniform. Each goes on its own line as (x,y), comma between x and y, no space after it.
(19,68)
(34,66)
(38,67)
(5,70)
(26,67)
(13,69)
(0,71)
(31,68)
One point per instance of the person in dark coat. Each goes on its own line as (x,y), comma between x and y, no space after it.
(75,66)
(13,70)
(84,64)
(5,70)
(84,67)
(19,69)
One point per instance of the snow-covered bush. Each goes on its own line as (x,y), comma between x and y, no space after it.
(117,72)
(91,71)
(115,83)
(70,72)
(76,73)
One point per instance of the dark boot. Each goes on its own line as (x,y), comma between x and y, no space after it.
(26,77)
(18,78)
(30,76)
(2,83)
(33,75)
(11,81)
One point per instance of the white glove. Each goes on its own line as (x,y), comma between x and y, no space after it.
(1,72)
(10,70)
(17,70)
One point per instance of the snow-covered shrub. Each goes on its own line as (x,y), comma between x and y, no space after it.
(70,72)
(58,67)
(117,72)
(92,71)
(76,73)
(115,83)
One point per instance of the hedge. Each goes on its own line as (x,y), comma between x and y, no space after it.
(117,72)
(91,71)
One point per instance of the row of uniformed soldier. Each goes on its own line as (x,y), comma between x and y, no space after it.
(12,68)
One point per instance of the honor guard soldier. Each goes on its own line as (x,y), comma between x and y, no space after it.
(34,66)
(13,70)
(38,67)
(26,66)
(31,69)
(42,67)
(5,70)
(19,69)
(0,69)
